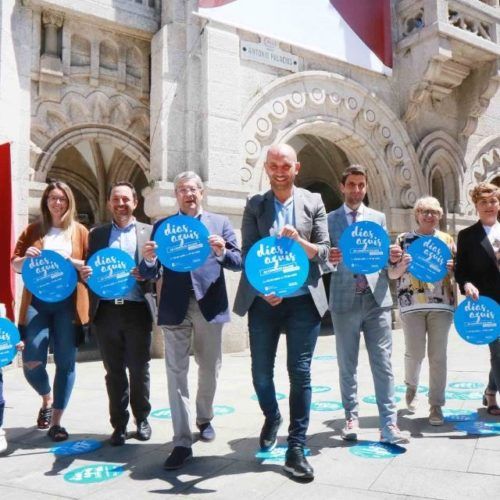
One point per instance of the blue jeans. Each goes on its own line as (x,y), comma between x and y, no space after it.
(2,400)
(300,320)
(54,324)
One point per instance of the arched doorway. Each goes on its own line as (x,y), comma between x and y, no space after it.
(90,161)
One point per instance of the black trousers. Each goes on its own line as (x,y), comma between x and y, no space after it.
(494,378)
(124,337)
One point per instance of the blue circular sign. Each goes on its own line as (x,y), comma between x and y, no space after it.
(221,410)
(459,415)
(279,396)
(49,277)
(111,278)
(463,395)
(162,414)
(374,449)
(365,247)
(277,454)
(478,321)
(276,265)
(182,243)
(95,473)
(372,400)
(76,447)
(318,389)
(479,428)
(9,337)
(326,405)
(421,389)
(325,357)
(429,256)
(466,386)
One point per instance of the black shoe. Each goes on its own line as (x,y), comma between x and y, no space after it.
(118,437)
(143,431)
(179,456)
(207,432)
(269,434)
(297,465)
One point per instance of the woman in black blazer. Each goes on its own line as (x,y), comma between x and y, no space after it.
(477,270)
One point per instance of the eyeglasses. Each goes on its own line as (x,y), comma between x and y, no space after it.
(491,201)
(188,190)
(429,213)
(55,199)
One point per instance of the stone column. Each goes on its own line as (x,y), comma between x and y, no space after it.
(51,71)
(195,124)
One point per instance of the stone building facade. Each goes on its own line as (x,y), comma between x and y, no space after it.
(92,91)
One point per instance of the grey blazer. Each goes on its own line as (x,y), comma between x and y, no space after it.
(343,283)
(310,222)
(99,239)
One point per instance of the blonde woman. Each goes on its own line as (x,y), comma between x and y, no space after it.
(43,323)
(426,312)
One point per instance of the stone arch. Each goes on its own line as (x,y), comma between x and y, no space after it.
(440,154)
(340,110)
(97,108)
(122,140)
(108,55)
(80,51)
(134,62)
(485,167)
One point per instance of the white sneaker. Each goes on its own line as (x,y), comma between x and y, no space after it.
(392,435)
(350,430)
(3,441)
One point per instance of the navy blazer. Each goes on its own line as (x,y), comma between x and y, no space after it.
(476,262)
(99,239)
(207,281)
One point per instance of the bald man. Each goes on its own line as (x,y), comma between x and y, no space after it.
(285,210)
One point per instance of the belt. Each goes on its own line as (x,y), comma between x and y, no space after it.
(122,302)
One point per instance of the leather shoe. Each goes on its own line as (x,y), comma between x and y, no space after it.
(179,456)
(269,434)
(207,432)
(143,431)
(118,437)
(297,465)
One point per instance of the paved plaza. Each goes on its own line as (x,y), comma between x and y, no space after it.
(455,461)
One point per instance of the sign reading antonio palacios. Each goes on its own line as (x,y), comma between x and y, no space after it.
(268,52)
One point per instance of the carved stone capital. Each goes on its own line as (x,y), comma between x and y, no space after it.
(52,18)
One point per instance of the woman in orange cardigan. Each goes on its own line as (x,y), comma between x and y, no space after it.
(55,323)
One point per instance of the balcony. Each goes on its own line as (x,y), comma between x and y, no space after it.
(448,39)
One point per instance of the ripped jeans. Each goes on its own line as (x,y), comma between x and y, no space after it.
(50,324)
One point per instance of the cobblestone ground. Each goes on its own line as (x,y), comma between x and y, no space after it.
(461,459)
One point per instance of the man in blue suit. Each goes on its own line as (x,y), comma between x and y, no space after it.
(192,310)
(362,303)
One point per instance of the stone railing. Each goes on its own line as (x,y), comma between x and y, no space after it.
(463,17)
(477,17)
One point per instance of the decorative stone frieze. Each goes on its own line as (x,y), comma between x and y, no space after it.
(338,109)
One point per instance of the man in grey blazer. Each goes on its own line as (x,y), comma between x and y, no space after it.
(362,303)
(123,326)
(296,213)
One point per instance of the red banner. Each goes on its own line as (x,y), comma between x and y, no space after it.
(371,20)
(6,232)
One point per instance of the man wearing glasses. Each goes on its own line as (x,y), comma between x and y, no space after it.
(192,310)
